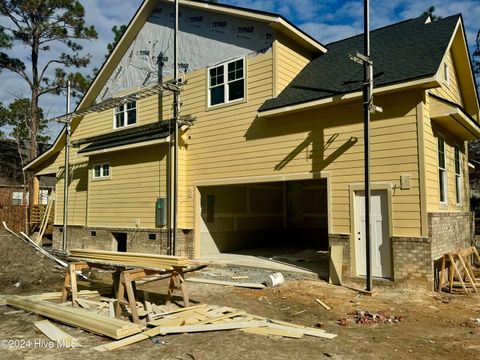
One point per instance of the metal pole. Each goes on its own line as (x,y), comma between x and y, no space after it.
(367,99)
(176,110)
(65,177)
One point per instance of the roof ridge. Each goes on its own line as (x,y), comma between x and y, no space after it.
(395,24)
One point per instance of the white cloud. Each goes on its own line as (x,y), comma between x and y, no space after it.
(328,33)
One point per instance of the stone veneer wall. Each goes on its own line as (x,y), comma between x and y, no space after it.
(137,239)
(449,231)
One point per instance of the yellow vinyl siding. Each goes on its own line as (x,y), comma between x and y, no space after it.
(450,91)
(127,198)
(228,147)
(220,129)
(77,194)
(290,60)
(432,131)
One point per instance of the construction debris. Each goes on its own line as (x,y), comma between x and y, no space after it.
(323,304)
(381,317)
(275,279)
(204,317)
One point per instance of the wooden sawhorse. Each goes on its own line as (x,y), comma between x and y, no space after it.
(126,283)
(449,261)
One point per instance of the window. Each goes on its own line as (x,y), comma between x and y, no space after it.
(101,171)
(442,175)
(458,176)
(125,115)
(446,73)
(226,82)
(17,198)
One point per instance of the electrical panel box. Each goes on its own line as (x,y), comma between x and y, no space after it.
(161,211)
(405,182)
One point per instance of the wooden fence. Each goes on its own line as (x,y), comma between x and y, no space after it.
(14,216)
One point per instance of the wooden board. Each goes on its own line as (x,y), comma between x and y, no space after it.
(227,283)
(58,295)
(268,331)
(336,260)
(166,262)
(81,318)
(63,339)
(211,327)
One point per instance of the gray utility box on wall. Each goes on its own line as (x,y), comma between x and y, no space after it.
(161,211)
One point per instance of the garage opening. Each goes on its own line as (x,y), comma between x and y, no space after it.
(275,217)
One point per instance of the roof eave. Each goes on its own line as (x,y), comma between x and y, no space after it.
(425,83)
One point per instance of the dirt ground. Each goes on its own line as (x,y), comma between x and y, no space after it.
(433,326)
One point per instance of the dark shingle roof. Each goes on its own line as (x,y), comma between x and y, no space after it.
(404,51)
(137,134)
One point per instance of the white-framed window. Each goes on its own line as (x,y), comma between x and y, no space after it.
(17,198)
(442,170)
(125,115)
(458,175)
(446,73)
(226,82)
(101,171)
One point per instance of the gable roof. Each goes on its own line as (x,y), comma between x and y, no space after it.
(276,21)
(409,50)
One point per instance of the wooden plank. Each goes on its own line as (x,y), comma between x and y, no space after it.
(335,264)
(268,331)
(54,333)
(305,331)
(153,261)
(211,327)
(58,295)
(182,310)
(159,330)
(319,333)
(467,272)
(227,283)
(323,304)
(179,317)
(82,303)
(90,321)
(458,273)
(222,317)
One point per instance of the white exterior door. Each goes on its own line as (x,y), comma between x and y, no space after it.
(381,253)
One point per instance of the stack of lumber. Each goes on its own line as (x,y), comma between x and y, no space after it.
(113,328)
(166,262)
(204,317)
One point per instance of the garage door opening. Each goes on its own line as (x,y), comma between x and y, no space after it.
(264,219)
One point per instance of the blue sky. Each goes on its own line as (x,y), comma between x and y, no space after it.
(326,20)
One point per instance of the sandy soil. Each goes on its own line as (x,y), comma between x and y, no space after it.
(434,326)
